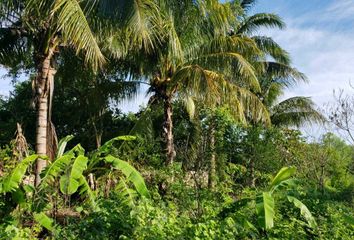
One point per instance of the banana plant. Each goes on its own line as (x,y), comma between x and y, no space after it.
(13,181)
(68,173)
(265,202)
(72,168)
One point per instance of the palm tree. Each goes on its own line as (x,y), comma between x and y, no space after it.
(197,58)
(276,75)
(46,27)
(43,28)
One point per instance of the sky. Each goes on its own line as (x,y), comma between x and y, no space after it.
(319,37)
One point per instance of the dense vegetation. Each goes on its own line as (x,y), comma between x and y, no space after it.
(215,154)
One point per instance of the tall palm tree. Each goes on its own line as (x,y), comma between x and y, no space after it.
(47,26)
(43,28)
(276,75)
(197,58)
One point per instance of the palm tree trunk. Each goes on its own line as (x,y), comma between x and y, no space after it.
(168,131)
(212,166)
(41,87)
(41,136)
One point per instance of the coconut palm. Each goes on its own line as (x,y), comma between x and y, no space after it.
(46,26)
(199,59)
(43,28)
(278,72)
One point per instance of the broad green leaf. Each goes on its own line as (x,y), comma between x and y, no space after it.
(130,173)
(70,182)
(305,212)
(19,196)
(126,194)
(106,147)
(44,221)
(68,185)
(12,181)
(265,210)
(85,188)
(78,150)
(55,169)
(284,174)
(62,145)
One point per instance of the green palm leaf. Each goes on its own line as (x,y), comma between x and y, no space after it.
(295,112)
(76,31)
(254,22)
(44,221)
(273,49)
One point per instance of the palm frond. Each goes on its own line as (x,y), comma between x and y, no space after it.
(281,74)
(247,4)
(273,49)
(213,89)
(232,56)
(73,25)
(295,111)
(253,23)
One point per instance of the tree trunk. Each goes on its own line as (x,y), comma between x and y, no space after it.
(42,95)
(212,163)
(41,136)
(168,131)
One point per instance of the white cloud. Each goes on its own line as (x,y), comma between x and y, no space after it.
(343,9)
(326,57)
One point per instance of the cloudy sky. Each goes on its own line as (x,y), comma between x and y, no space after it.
(319,37)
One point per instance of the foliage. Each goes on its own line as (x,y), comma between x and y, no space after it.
(203,160)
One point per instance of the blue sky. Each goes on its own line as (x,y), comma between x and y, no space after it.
(319,37)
